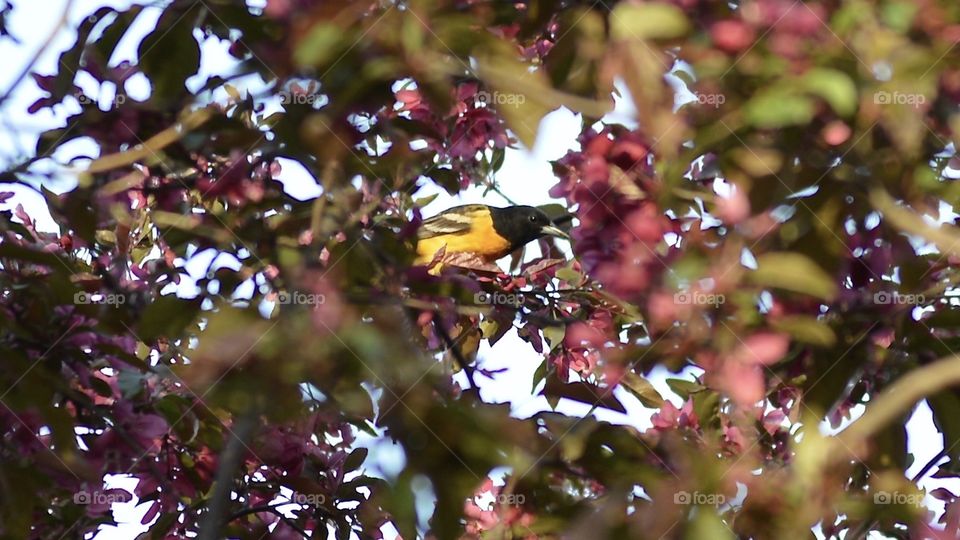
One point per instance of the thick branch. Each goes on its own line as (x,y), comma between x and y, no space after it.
(899,397)
(230,460)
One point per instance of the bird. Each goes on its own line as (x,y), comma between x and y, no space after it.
(485,231)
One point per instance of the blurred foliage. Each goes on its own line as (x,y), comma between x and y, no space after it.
(782,223)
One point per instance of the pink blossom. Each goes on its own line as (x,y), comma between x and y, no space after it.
(836,133)
(762,348)
(742,381)
(773,421)
(669,416)
(733,436)
(733,209)
(732,36)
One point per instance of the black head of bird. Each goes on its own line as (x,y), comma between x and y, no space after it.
(523,224)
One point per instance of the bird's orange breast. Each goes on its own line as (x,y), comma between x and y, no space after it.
(481,240)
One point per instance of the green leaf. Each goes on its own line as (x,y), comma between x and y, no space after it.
(946,417)
(899,15)
(582,392)
(779,109)
(558,214)
(344,529)
(569,275)
(423,201)
(523,97)
(355,459)
(643,390)
(684,387)
(167,317)
(539,375)
(497,159)
(706,405)
(113,33)
(793,272)
(162,526)
(323,42)
(945,237)
(101,387)
(647,21)
(13,251)
(520,96)
(833,86)
(806,329)
(554,335)
(130,382)
(489,327)
(170,54)
(447,179)
(707,524)
(50,140)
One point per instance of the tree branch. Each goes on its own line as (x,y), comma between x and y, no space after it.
(230,460)
(457,353)
(929,465)
(896,399)
(272,508)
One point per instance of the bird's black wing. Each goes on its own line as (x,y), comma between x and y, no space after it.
(456,220)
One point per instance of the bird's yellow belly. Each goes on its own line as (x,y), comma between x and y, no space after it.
(487,246)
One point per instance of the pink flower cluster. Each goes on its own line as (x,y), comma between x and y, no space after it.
(620,237)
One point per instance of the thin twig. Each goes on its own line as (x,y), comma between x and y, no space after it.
(452,346)
(930,464)
(272,508)
(253,510)
(292,525)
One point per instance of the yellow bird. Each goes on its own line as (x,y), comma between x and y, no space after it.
(485,231)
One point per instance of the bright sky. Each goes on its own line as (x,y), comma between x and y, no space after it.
(525,177)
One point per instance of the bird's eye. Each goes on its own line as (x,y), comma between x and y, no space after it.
(533,219)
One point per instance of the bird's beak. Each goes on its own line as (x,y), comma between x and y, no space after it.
(553,231)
